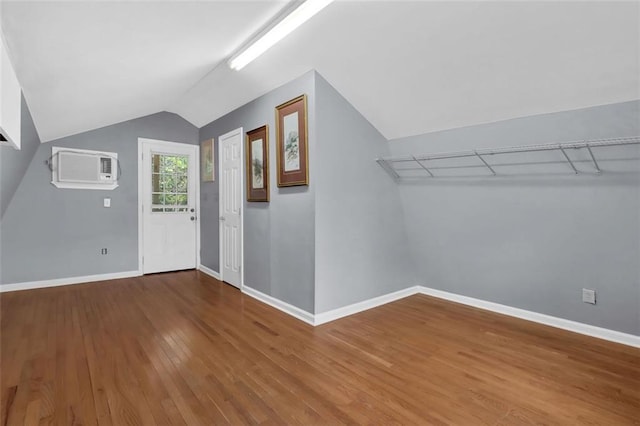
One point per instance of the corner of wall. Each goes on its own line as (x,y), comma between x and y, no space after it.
(361,244)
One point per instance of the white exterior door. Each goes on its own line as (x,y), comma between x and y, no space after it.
(169,195)
(231,177)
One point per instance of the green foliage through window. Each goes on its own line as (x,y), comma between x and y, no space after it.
(169,183)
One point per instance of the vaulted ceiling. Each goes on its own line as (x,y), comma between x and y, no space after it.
(409,67)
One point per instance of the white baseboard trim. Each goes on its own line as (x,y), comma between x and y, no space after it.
(576,327)
(325,317)
(354,308)
(67,281)
(209,272)
(285,307)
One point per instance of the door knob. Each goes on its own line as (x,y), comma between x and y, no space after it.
(193,210)
(193,218)
(222,218)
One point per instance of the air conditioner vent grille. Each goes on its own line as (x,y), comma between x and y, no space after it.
(105,165)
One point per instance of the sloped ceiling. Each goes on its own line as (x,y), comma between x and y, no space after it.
(409,67)
(87,64)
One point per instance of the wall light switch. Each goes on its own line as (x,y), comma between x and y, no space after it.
(107,202)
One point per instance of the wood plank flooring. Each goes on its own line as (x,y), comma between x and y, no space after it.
(183,348)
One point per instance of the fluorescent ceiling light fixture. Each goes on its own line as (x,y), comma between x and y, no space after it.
(289,23)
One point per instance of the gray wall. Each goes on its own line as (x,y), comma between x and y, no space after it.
(14,163)
(279,245)
(527,241)
(534,242)
(361,243)
(53,233)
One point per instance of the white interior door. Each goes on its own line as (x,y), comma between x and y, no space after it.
(231,177)
(169,206)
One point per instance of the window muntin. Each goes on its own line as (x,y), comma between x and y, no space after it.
(169,183)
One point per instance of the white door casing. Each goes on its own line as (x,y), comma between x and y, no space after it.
(168,197)
(230,154)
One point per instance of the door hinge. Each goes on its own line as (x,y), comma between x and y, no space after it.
(143,260)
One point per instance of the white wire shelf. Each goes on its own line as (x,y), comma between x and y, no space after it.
(426,165)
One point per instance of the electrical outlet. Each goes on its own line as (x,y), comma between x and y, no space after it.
(103,251)
(106,202)
(589,296)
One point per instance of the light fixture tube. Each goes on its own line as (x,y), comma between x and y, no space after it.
(292,21)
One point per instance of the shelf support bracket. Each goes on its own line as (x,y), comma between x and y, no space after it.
(593,158)
(385,165)
(568,159)
(493,172)
(422,165)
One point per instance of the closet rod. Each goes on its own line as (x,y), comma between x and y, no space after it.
(516,149)
(387,163)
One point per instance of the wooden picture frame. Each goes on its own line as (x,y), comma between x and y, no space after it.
(292,142)
(257,153)
(207,161)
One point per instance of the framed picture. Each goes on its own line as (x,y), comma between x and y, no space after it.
(291,142)
(207,170)
(257,152)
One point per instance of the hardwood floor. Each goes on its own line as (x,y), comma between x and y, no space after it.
(182,348)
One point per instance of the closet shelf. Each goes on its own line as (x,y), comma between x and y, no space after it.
(397,167)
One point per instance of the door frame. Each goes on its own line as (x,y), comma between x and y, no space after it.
(239,131)
(140,163)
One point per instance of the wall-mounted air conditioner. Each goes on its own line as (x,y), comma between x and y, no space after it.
(83,169)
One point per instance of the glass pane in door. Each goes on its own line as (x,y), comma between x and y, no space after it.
(169,183)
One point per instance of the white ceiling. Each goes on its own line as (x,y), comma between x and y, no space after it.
(409,67)
(87,64)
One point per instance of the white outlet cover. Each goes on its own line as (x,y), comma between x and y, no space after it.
(589,296)
(107,202)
